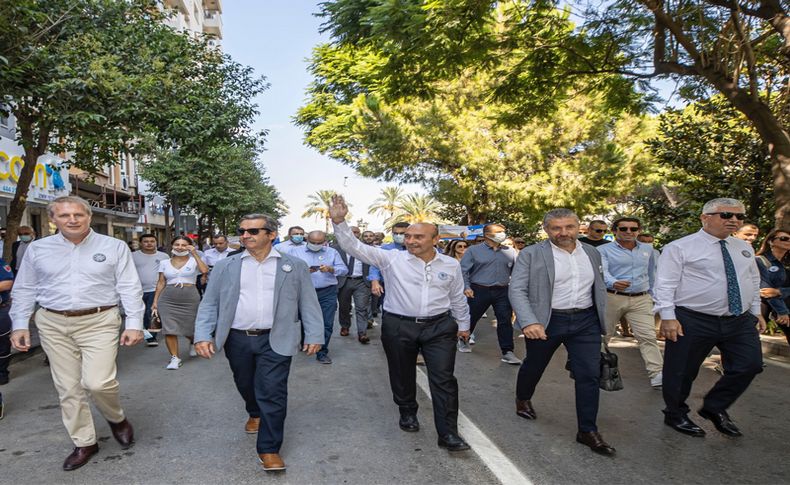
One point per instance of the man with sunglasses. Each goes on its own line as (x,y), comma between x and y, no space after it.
(629,268)
(595,233)
(707,292)
(251,308)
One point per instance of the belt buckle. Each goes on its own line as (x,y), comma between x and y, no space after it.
(419,320)
(251,333)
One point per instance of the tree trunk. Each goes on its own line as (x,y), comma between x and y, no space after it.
(176,217)
(168,234)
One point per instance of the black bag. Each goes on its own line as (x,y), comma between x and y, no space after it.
(610,379)
(156,323)
(610,373)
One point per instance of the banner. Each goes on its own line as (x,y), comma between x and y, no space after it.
(460,232)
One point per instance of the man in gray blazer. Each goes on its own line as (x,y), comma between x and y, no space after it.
(559,296)
(252,308)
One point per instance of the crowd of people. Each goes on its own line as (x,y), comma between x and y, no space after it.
(269,299)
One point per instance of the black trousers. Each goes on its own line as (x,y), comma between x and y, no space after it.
(497,297)
(402,340)
(261,376)
(739,343)
(581,334)
(5,340)
(358,289)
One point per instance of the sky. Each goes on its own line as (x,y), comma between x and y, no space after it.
(275,37)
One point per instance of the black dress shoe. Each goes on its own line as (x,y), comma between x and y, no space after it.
(525,410)
(409,423)
(123,433)
(722,422)
(595,441)
(80,456)
(684,425)
(453,442)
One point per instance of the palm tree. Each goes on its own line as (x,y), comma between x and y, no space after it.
(416,208)
(387,204)
(318,206)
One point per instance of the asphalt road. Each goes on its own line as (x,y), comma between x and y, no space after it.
(342,426)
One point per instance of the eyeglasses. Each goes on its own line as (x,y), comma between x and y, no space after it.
(598,231)
(626,229)
(460,246)
(253,230)
(782,238)
(428,273)
(728,215)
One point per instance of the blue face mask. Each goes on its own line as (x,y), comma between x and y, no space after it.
(297,239)
(26,238)
(398,238)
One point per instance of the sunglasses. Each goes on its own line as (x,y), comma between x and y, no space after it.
(460,246)
(782,238)
(626,229)
(598,230)
(253,231)
(728,215)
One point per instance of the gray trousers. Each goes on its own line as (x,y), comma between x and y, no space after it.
(360,292)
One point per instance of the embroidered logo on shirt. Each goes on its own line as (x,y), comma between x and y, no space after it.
(99,257)
(287,268)
(772,269)
(746,254)
(8,268)
(442,275)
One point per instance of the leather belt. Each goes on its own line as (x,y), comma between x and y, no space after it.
(570,311)
(81,313)
(489,286)
(253,332)
(181,285)
(354,277)
(431,319)
(615,292)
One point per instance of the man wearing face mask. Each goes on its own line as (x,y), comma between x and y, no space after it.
(295,240)
(486,268)
(26,236)
(325,266)
(398,238)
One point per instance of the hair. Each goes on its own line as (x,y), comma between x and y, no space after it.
(148,234)
(712,205)
(485,228)
(747,226)
(290,228)
(626,219)
(765,247)
(269,222)
(369,232)
(400,225)
(646,234)
(68,199)
(451,249)
(596,221)
(560,213)
(25,228)
(220,236)
(182,238)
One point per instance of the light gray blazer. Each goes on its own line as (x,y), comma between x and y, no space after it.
(293,295)
(532,284)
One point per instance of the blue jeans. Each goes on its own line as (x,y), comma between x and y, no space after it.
(327,298)
(497,297)
(148,299)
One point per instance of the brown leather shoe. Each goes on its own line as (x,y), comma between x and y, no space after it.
(525,410)
(80,456)
(363,339)
(123,433)
(252,425)
(271,462)
(595,441)
(343,332)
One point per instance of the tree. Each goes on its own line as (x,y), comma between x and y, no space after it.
(387,204)
(318,206)
(414,208)
(739,49)
(87,78)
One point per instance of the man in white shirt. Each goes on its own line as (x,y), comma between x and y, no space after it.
(425,311)
(78,278)
(146,261)
(708,295)
(559,296)
(217,253)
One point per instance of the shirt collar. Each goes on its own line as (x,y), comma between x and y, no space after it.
(410,256)
(273,253)
(575,250)
(638,245)
(710,237)
(84,241)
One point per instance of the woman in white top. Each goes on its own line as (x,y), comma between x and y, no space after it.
(176,299)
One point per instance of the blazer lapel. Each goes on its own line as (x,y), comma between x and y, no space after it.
(279,279)
(548,257)
(234,273)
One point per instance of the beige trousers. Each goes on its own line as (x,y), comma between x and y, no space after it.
(82,353)
(638,311)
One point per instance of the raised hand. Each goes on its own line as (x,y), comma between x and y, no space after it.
(338,209)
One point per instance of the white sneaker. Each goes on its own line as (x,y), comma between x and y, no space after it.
(510,358)
(463,347)
(472,339)
(192,351)
(174,364)
(657,380)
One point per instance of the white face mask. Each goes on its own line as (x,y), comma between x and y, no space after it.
(179,253)
(398,238)
(498,237)
(314,247)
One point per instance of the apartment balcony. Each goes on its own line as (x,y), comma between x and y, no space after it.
(215,5)
(212,23)
(180,5)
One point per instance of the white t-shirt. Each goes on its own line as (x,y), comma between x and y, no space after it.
(148,268)
(185,275)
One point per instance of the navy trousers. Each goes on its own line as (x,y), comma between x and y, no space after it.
(581,334)
(5,340)
(327,298)
(261,376)
(497,297)
(739,342)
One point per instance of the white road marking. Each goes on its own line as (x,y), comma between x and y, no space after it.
(772,361)
(506,472)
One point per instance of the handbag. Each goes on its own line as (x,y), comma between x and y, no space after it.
(610,379)
(155,324)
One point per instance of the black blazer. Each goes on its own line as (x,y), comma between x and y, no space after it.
(341,280)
